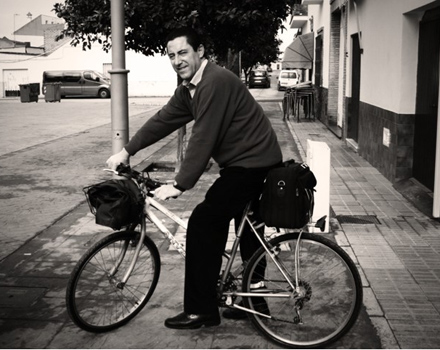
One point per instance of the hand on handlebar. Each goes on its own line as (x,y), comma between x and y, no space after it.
(118,158)
(167,191)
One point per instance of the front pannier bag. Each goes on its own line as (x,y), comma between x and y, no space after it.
(287,199)
(115,203)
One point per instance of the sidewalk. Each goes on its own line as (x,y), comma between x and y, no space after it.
(399,259)
(399,254)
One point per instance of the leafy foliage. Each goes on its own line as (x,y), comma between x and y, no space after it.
(229,26)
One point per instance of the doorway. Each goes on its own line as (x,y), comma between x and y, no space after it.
(425,132)
(353,118)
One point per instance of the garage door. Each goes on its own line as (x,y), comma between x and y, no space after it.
(12,78)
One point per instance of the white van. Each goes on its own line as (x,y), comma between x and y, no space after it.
(287,78)
(78,83)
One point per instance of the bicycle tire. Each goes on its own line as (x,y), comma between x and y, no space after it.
(329,279)
(93,300)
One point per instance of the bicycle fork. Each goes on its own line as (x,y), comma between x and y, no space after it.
(156,221)
(120,284)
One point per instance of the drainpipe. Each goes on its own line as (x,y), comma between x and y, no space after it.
(119,87)
(358,27)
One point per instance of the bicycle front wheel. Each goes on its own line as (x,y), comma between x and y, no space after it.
(96,301)
(320,309)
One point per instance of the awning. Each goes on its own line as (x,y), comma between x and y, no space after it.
(299,54)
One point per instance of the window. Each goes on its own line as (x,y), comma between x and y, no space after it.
(288,75)
(259,73)
(53,78)
(72,77)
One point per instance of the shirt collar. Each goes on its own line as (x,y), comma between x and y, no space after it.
(197,77)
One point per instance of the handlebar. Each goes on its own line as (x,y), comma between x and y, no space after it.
(126,171)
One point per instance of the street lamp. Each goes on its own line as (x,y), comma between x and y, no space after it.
(15,14)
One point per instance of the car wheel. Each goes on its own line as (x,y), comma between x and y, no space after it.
(104,93)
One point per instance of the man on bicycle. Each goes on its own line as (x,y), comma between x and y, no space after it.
(229,126)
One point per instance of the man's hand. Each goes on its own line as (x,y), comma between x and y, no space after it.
(167,191)
(118,158)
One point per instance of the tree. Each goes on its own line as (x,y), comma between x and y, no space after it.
(229,26)
(253,55)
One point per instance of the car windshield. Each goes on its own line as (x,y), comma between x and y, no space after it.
(288,75)
(102,76)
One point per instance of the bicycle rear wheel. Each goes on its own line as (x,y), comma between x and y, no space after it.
(95,302)
(330,291)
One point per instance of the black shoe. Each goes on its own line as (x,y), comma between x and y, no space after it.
(238,314)
(191,321)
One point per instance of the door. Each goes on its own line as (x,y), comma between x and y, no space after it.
(425,132)
(318,74)
(91,84)
(71,84)
(353,117)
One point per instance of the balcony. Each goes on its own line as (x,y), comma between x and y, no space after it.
(299,16)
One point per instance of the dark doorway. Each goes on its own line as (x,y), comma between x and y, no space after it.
(425,133)
(318,60)
(318,74)
(353,117)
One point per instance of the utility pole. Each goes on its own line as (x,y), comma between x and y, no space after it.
(15,14)
(119,86)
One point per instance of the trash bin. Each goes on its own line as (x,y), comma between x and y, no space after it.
(29,92)
(52,92)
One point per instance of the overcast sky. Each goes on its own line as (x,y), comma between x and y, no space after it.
(18,10)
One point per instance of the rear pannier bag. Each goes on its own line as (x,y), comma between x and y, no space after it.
(115,203)
(287,199)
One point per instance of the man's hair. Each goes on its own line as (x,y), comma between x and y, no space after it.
(193,38)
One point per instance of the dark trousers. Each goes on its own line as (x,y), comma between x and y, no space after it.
(207,234)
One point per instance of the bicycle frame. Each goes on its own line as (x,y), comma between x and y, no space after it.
(151,205)
(293,273)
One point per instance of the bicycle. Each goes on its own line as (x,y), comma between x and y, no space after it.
(310,288)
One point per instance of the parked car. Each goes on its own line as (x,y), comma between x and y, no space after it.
(259,78)
(287,78)
(78,83)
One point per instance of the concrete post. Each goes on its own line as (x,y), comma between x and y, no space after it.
(318,159)
(119,86)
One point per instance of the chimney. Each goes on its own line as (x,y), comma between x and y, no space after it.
(50,35)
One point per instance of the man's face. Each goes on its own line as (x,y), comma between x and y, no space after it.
(184,59)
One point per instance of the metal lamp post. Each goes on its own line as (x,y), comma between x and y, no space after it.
(119,86)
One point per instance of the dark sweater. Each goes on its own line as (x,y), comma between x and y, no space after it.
(229,126)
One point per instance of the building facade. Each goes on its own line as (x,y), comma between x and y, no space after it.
(376,71)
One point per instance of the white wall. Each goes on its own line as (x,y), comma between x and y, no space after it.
(389,60)
(390,32)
